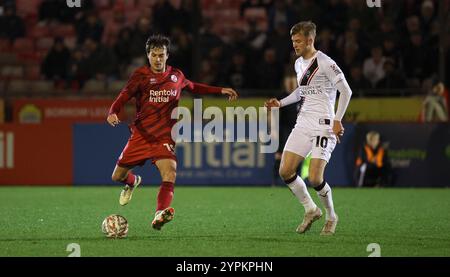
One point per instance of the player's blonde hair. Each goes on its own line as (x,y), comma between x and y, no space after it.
(305,28)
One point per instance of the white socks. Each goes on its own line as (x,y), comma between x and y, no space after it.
(298,188)
(327,200)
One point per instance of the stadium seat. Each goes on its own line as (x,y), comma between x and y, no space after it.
(116,86)
(33,72)
(39,31)
(8,58)
(23,45)
(12,72)
(63,31)
(5,45)
(41,86)
(44,43)
(94,87)
(26,7)
(18,86)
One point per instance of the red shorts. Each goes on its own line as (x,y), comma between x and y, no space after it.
(138,150)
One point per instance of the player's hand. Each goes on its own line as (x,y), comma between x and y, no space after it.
(271,103)
(232,94)
(338,130)
(113,120)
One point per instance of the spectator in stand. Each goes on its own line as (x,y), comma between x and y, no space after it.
(417,63)
(89,26)
(113,27)
(101,63)
(183,16)
(357,81)
(326,42)
(427,16)
(281,12)
(393,79)
(122,49)
(335,15)
(208,75)
(250,4)
(77,69)
(435,107)
(348,48)
(391,50)
(11,25)
(181,51)
(55,64)
(269,73)
(164,15)
(309,10)
(140,35)
(279,40)
(57,11)
(373,67)
(207,38)
(238,75)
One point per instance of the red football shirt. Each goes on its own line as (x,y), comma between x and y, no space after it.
(156,94)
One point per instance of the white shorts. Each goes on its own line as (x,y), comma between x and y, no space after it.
(320,143)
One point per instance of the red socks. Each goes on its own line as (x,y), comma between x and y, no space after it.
(165,195)
(129,180)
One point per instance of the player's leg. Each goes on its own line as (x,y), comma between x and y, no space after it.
(164,213)
(320,156)
(288,173)
(124,175)
(296,148)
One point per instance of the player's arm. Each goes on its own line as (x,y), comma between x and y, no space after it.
(337,78)
(292,98)
(125,95)
(199,88)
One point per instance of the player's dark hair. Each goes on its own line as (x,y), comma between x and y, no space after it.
(157,41)
(305,28)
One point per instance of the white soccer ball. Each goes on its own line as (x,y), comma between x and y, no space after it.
(115,226)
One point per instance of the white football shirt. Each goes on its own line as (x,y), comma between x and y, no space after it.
(317,78)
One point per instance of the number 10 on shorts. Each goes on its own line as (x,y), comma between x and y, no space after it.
(321,141)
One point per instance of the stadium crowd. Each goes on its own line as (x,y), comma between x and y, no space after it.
(392,47)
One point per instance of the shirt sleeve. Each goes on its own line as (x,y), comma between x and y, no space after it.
(199,88)
(344,98)
(126,93)
(292,98)
(332,71)
(337,78)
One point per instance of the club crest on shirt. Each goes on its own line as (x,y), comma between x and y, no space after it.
(173,78)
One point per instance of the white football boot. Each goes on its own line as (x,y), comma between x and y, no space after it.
(308,220)
(329,228)
(162,217)
(127,191)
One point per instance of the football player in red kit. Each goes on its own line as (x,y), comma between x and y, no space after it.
(157,90)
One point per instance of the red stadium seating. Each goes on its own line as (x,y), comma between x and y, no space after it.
(33,72)
(39,31)
(44,43)
(23,45)
(63,31)
(5,45)
(26,7)
(41,86)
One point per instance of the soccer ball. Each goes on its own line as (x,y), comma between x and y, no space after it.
(115,226)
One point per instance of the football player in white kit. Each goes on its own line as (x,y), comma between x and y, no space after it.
(318,128)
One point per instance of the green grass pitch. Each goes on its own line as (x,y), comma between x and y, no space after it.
(218,221)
